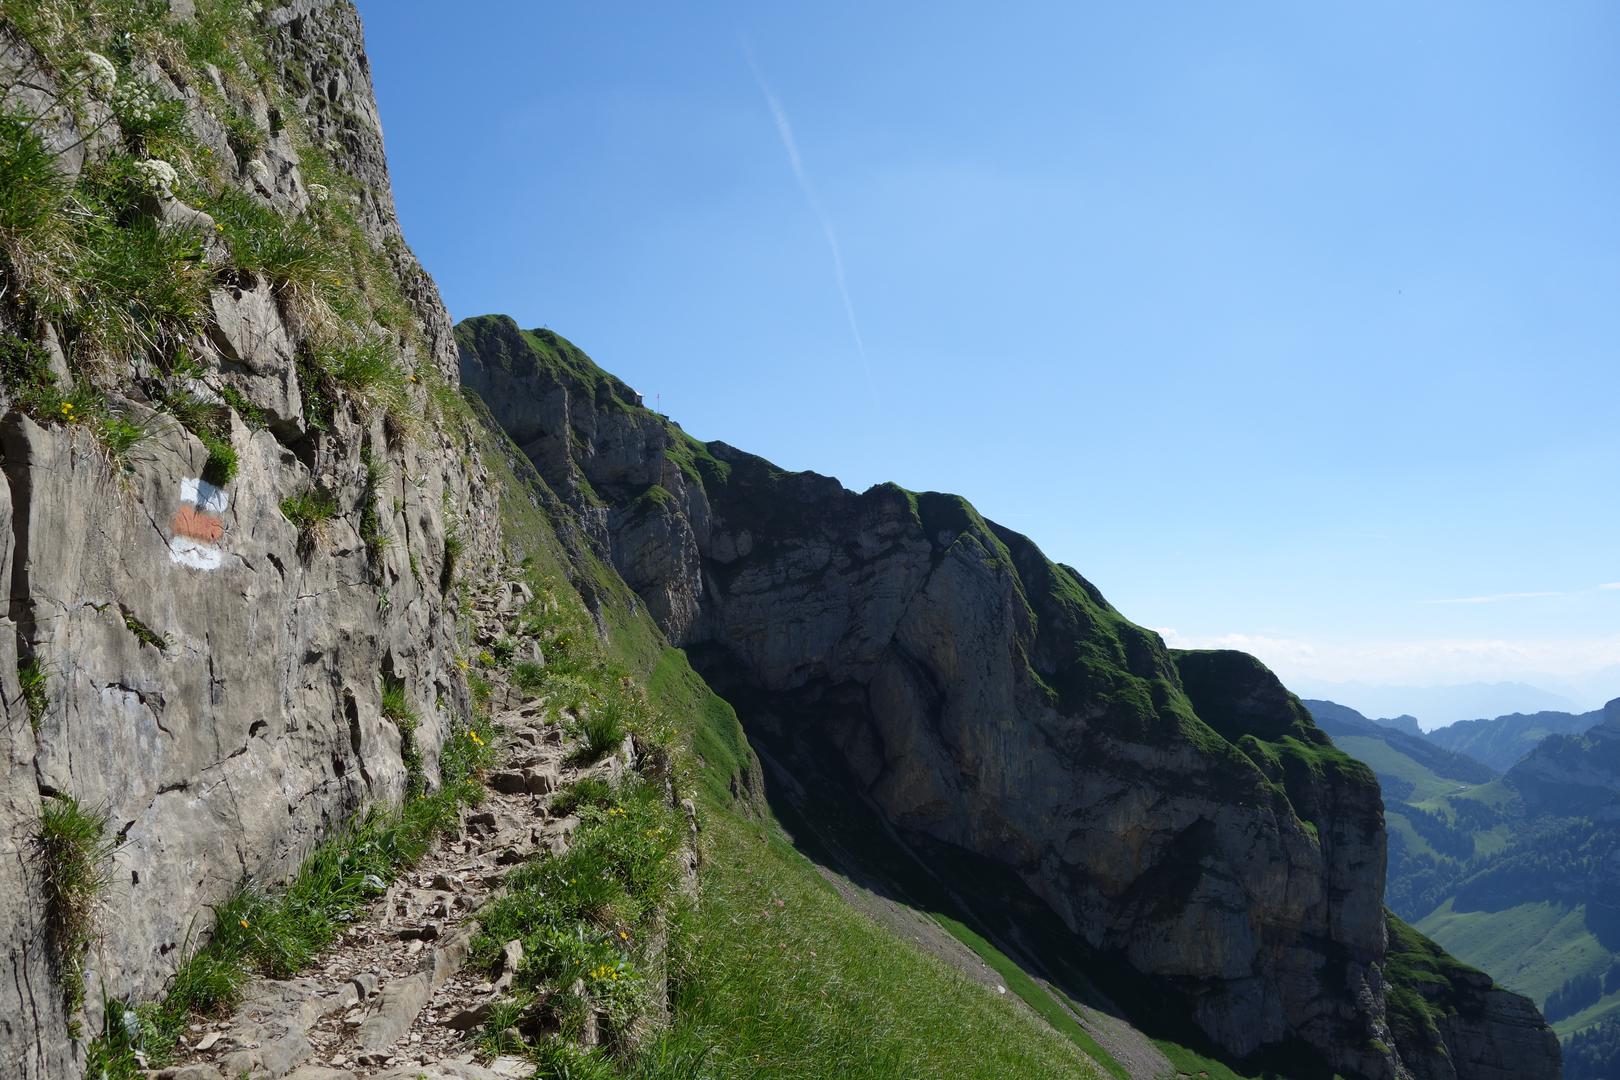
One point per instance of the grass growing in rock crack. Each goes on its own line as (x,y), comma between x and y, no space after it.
(290,251)
(396,707)
(309,510)
(210,423)
(35,680)
(76,856)
(372,533)
(143,633)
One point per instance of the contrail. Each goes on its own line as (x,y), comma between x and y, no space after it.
(785,130)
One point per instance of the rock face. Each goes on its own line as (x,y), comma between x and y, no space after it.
(1451,1022)
(212,673)
(1178,810)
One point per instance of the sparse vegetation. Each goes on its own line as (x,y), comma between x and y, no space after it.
(35,680)
(309,510)
(372,533)
(143,633)
(583,916)
(209,422)
(76,856)
(396,707)
(291,253)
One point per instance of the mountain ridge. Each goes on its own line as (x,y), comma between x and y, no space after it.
(902,617)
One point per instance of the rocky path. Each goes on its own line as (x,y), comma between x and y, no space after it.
(393,1000)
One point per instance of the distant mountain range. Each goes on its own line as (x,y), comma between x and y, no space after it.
(1504,846)
(1501,742)
(1437,706)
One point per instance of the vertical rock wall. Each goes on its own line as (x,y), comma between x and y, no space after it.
(214,673)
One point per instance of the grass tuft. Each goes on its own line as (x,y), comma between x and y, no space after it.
(396,708)
(603,728)
(290,252)
(309,510)
(35,680)
(76,854)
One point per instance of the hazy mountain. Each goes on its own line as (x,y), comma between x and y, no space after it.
(1502,741)
(1404,723)
(1437,706)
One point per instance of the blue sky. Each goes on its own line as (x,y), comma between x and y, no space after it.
(1288,325)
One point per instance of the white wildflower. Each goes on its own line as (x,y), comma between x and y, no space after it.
(319,192)
(158,176)
(100,71)
(134,104)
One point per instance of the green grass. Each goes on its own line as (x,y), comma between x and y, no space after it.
(35,680)
(585,916)
(368,369)
(1033,994)
(143,633)
(1386,760)
(76,854)
(35,237)
(372,533)
(210,423)
(309,510)
(290,252)
(603,728)
(1532,948)
(397,709)
(140,287)
(785,980)
(1604,1008)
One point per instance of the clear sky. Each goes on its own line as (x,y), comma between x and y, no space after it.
(1292,326)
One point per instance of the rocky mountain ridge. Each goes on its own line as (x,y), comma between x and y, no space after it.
(1502,741)
(1178,810)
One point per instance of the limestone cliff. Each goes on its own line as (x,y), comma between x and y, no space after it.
(1176,810)
(236,483)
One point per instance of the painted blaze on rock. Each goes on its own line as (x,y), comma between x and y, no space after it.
(197,525)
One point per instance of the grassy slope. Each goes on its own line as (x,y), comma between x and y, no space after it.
(1388,761)
(1531,948)
(804,987)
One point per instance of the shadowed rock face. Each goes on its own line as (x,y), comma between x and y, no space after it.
(1176,809)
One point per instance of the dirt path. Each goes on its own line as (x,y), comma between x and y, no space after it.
(392,998)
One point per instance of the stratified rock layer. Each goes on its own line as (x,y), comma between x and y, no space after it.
(1176,809)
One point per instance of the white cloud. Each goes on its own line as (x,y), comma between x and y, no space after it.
(1610,585)
(1433,662)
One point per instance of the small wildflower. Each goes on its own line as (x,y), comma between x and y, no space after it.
(244,923)
(218,227)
